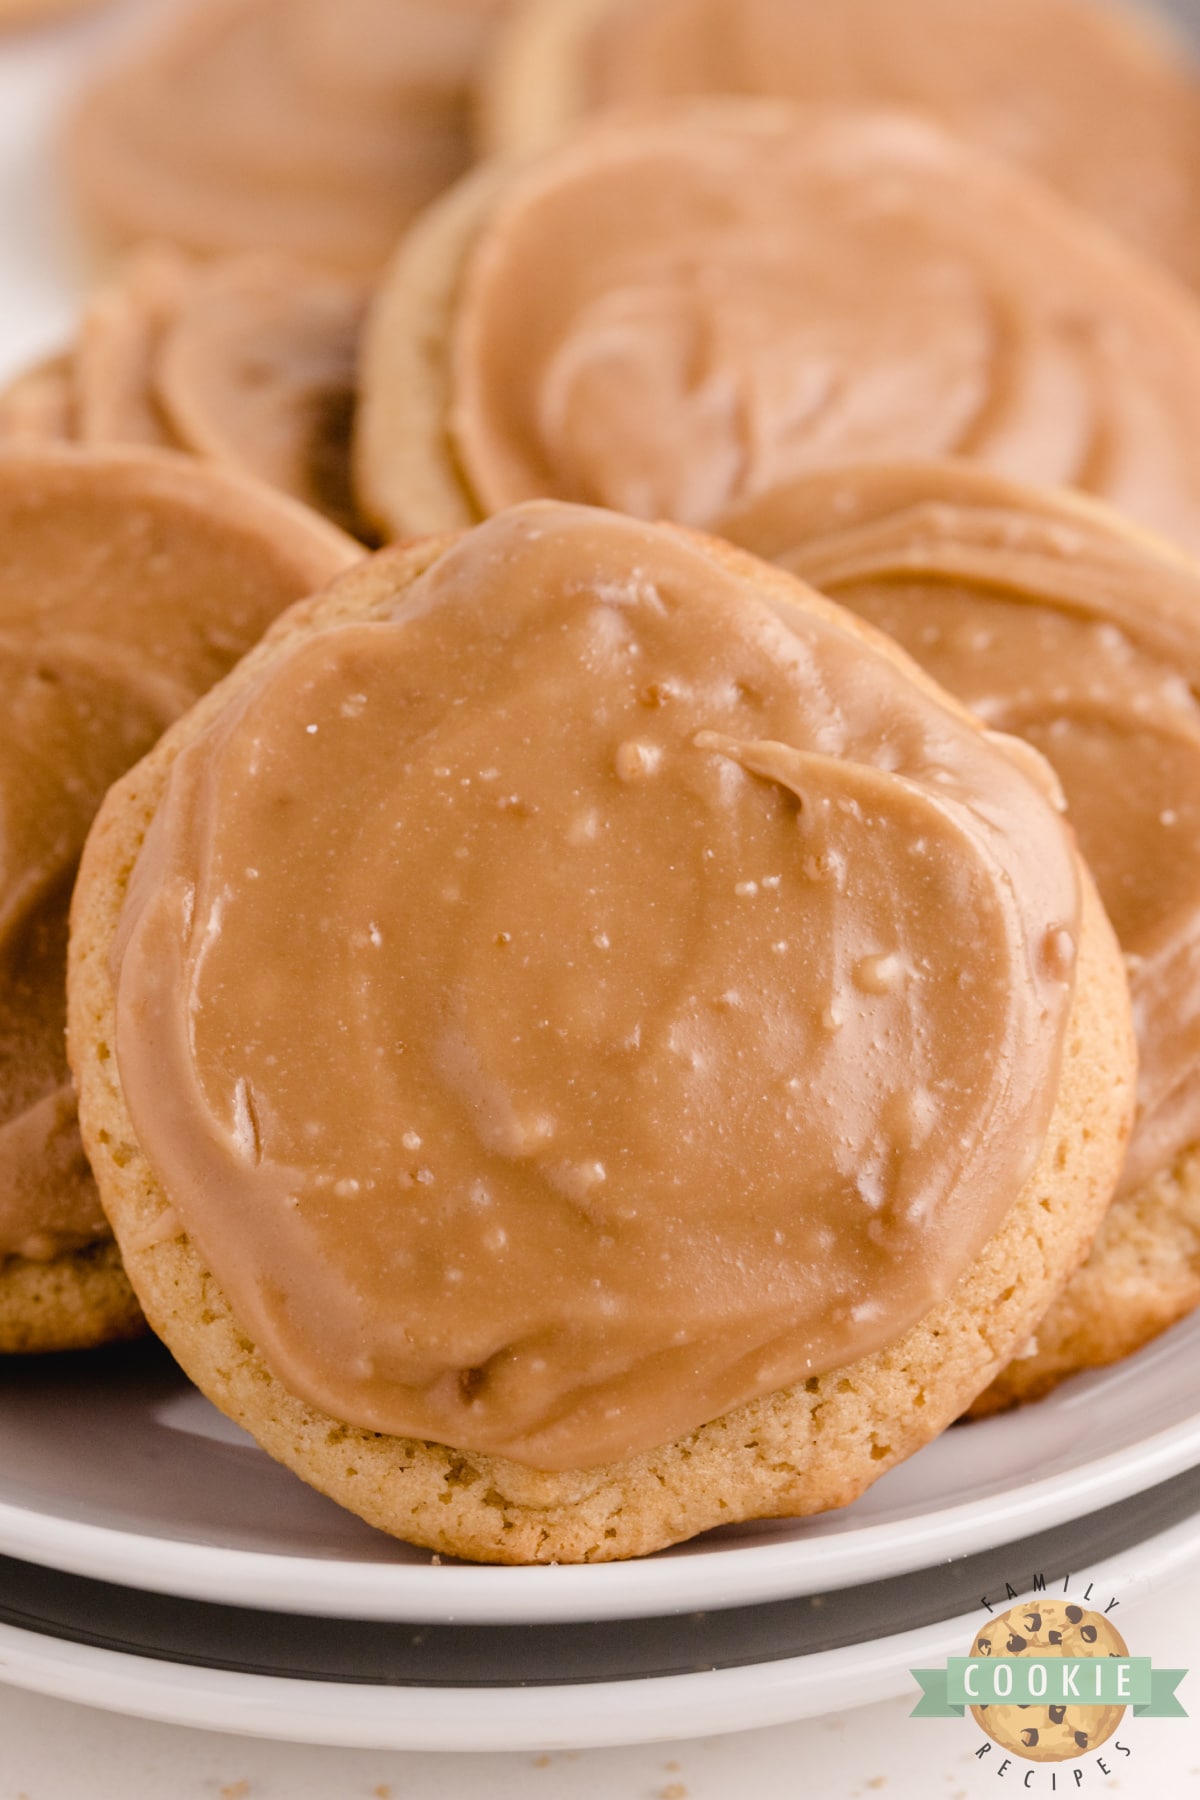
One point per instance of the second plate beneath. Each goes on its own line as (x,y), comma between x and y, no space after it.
(114,1467)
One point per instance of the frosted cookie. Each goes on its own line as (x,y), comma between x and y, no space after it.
(636,1055)
(259,373)
(17,13)
(129,582)
(1096,100)
(249,361)
(1052,619)
(37,407)
(122,331)
(313,127)
(669,317)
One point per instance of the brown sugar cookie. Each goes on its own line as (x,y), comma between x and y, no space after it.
(259,373)
(122,330)
(101,390)
(38,405)
(670,314)
(1098,101)
(1054,620)
(668,1045)
(129,582)
(312,127)
(15,14)
(248,361)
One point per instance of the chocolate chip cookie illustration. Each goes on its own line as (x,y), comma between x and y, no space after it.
(1043,1629)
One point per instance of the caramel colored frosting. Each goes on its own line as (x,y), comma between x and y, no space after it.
(113,365)
(258,372)
(1089,97)
(315,127)
(594,987)
(128,585)
(248,361)
(668,317)
(37,408)
(1053,621)
(17,14)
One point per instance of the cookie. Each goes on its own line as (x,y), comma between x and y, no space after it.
(667,315)
(1099,102)
(129,583)
(1141,1276)
(77,1300)
(38,406)
(248,361)
(312,127)
(15,14)
(114,365)
(1055,620)
(669,1046)
(259,374)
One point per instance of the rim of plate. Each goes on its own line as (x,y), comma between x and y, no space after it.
(582,1716)
(730,1574)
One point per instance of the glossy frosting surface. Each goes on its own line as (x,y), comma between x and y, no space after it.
(1090,97)
(590,992)
(1054,623)
(127,587)
(668,317)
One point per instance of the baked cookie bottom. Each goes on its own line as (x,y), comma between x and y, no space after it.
(800,1450)
(1141,1276)
(75,1301)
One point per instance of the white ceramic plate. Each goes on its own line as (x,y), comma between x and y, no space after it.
(115,1467)
(371,1686)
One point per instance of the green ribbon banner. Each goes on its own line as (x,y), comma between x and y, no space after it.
(1075,1681)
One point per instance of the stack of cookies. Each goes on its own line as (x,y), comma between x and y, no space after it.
(641,1002)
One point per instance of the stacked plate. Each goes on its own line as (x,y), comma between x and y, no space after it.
(154,1561)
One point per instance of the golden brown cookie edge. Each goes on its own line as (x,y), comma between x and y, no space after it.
(76,1301)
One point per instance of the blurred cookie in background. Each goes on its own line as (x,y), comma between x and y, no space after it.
(315,127)
(14,14)
(38,405)
(1097,99)
(130,581)
(248,361)
(670,313)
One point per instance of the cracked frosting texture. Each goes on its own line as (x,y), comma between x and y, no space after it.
(591,996)
(1051,621)
(670,315)
(128,585)
(1092,98)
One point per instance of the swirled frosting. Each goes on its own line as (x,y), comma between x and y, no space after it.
(670,316)
(593,988)
(1089,97)
(127,586)
(1056,623)
(258,372)
(248,361)
(315,127)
